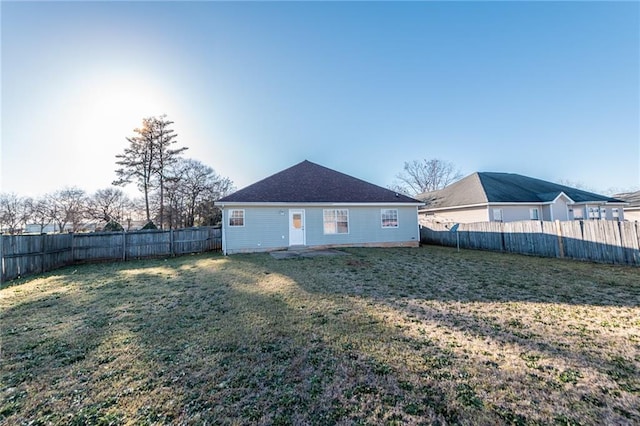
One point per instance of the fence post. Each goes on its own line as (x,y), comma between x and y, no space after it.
(560,241)
(637,229)
(73,254)
(124,245)
(43,251)
(1,258)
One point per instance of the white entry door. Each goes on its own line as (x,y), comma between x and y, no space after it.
(296,228)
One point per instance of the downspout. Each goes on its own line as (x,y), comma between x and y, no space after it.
(224,234)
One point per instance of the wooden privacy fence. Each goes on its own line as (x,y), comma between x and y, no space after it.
(595,240)
(29,254)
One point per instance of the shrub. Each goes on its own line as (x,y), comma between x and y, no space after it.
(149,225)
(113,226)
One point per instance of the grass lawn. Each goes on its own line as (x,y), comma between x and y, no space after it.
(382,336)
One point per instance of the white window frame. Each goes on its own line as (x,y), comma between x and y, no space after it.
(615,212)
(498,215)
(534,213)
(384,214)
(231,217)
(334,222)
(578,213)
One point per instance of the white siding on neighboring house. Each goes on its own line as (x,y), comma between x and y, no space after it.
(559,210)
(463,215)
(598,212)
(632,214)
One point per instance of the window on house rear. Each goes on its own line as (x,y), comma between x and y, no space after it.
(534,214)
(336,221)
(389,218)
(615,213)
(236,218)
(497,215)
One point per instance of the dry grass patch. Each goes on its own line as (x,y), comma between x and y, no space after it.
(383,336)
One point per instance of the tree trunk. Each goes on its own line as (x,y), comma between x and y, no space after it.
(146,202)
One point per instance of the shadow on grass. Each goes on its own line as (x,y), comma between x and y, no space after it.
(252,340)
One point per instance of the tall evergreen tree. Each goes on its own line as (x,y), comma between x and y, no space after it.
(147,158)
(165,157)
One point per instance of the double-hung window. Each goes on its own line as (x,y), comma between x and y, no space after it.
(236,217)
(534,214)
(578,214)
(336,221)
(603,213)
(389,218)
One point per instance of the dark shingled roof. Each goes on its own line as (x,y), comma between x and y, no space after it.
(488,187)
(308,182)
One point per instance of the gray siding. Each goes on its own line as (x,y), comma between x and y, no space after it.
(516,213)
(267,228)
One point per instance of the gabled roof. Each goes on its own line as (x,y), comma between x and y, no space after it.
(633,198)
(308,182)
(489,187)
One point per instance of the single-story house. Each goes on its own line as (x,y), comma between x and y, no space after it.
(308,205)
(632,209)
(509,197)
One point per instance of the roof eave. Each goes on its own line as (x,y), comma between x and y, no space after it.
(466,206)
(311,204)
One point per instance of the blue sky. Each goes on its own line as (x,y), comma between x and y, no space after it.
(548,89)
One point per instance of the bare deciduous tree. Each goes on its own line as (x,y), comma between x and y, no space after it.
(40,213)
(419,176)
(110,204)
(68,206)
(14,212)
(193,184)
(147,159)
(137,162)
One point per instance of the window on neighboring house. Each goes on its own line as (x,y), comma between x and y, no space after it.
(534,214)
(497,215)
(389,218)
(603,213)
(336,221)
(236,218)
(577,213)
(594,213)
(615,213)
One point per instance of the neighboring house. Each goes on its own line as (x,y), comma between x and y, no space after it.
(312,206)
(632,210)
(34,228)
(53,228)
(508,197)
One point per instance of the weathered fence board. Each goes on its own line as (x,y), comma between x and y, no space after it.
(597,240)
(22,255)
(630,238)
